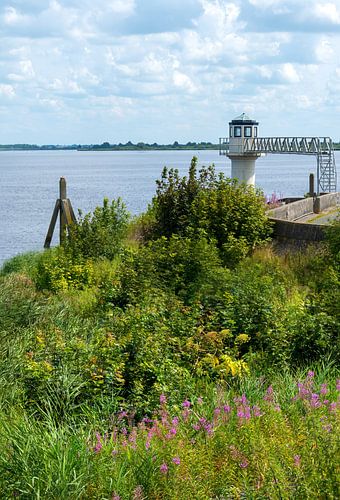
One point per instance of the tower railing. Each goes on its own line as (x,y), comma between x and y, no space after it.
(321,147)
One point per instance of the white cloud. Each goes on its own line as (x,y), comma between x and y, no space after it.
(7,90)
(289,73)
(328,11)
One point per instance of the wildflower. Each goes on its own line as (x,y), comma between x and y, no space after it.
(327,427)
(277,408)
(175,421)
(162,399)
(176,460)
(115,496)
(323,389)
(185,414)
(338,385)
(310,374)
(269,396)
(122,415)
(114,453)
(326,402)
(226,408)
(257,411)
(186,404)
(138,493)
(244,464)
(332,407)
(297,460)
(164,468)
(196,427)
(200,400)
(217,411)
(98,445)
(314,402)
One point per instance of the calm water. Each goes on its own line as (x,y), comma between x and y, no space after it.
(29,184)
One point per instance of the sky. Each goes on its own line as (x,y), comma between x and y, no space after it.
(85,71)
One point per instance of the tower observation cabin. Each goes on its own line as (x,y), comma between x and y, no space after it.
(244,146)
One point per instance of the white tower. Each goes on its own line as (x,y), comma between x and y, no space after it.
(242,129)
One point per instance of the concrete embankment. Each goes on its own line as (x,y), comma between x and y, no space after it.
(298,220)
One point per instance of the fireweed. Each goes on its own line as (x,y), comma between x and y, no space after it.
(237,447)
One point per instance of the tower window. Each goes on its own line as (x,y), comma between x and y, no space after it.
(247,131)
(231,132)
(237,132)
(255,131)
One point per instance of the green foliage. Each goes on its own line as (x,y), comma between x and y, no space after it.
(333,239)
(59,270)
(230,213)
(99,234)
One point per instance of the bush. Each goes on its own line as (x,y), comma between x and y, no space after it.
(99,234)
(231,214)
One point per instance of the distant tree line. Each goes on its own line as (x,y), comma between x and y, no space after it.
(106,146)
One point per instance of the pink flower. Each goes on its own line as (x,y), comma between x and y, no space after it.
(164,468)
(323,389)
(297,460)
(244,464)
(162,399)
(186,404)
(338,385)
(310,374)
(200,400)
(269,396)
(227,408)
(175,421)
(176,460)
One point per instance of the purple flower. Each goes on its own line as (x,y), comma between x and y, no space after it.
(217,411)
(186,404)
(314,402)
(115,496)
(244,464)
(138,493)
(175,421)
(338,385)
(227,408)
(327,427)
(257,411)
(162,399)
(297,460)
(176,460)
(164,468)
(323,389)
(332,407)
(200,400)
(269,396)
(310,374)
(98,446)
(196,427)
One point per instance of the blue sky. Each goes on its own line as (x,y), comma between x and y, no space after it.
(84,71)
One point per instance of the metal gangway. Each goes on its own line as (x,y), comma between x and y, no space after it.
(321,147)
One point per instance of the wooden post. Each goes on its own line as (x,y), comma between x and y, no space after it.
(63,206)
(311,185)
(62,217)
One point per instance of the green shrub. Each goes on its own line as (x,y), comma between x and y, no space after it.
(231,214)
(60,270)
(99,234)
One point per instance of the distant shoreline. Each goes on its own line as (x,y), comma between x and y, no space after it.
(111,147)
(120,147)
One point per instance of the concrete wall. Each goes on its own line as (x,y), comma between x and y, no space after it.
(284,229)
(326,201)
(292,211)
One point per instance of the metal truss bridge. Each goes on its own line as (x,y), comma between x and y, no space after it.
(321,147)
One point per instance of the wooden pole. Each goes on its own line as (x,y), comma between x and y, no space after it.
(63,207)
(62,217)
(311,185)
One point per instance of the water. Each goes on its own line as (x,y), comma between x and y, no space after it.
(30,182)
